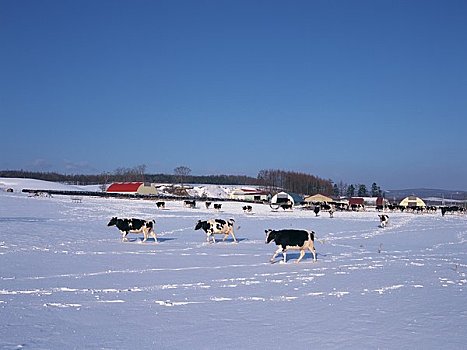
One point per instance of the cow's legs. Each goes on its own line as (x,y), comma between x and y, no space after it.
(233,236)
(302,254)
(153,234)
(145,235)
(284,254)
(124,239)
(313,251)
(276,253)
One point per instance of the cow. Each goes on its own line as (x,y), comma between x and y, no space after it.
(217,206)
(452,209)
(134,226)
(160,205)
(316,209)
(286,206)
(217,226)
(293,239)
(190,204)
(383,220)
(247,208)
(207,204)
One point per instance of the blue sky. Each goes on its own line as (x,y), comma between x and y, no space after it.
(354,91)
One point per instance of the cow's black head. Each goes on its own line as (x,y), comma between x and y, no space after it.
(199,224)
(312,235)
(112,221)
(270,235)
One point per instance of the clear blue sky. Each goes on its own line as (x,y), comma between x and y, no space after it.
(354,91)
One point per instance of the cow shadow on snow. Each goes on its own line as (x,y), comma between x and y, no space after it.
(228,240)
(292,256)
(149,240)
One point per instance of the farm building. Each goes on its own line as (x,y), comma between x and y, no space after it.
(284,198)
(132,188)
(356,201)
(249,194)
(318,198)
(412,201)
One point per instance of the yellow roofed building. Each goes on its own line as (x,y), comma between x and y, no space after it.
(318,198)
(412,201)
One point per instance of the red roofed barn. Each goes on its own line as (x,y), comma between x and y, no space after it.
(132,188)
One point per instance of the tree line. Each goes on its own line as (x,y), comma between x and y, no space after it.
(136,174)
(295,182)
(357,190)
(273,180)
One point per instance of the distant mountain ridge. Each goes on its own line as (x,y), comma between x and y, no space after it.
(426,193)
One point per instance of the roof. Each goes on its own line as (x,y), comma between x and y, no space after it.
(283,197)
(412,201)
(318,198)
(124,187)
(356,200)
(248,192)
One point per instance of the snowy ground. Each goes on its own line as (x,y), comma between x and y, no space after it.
(67,280)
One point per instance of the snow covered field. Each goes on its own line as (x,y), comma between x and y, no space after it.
(68,281)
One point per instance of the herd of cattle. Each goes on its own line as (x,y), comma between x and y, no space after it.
(286,239)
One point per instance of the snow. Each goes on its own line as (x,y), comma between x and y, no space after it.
(68,281)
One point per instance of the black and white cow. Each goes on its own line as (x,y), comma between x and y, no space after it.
(190,203)
(286,206)
(452,209)
(383,220)
(317,209)
(217,226)
(247,208)
(160,205)
(292,239)
(134,226)
(217,206)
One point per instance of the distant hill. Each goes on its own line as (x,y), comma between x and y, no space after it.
(426,193)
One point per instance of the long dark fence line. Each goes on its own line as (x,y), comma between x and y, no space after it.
(126,195)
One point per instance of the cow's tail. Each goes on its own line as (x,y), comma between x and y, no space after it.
(314,237)
(322,241)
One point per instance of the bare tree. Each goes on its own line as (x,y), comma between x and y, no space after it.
(140,171)
(182,172)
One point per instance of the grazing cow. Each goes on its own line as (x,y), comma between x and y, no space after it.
(292,239)
(247,208)
(160,205)
(452,209)
(357,207)
(134,226)
(317,209)
(190,204)
(217,206)
(217,226)
(208,204)
(286,206)
(383,220)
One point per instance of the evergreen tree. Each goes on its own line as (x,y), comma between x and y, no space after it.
(335,190)
(362,192)
(351,191)
(375,190)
